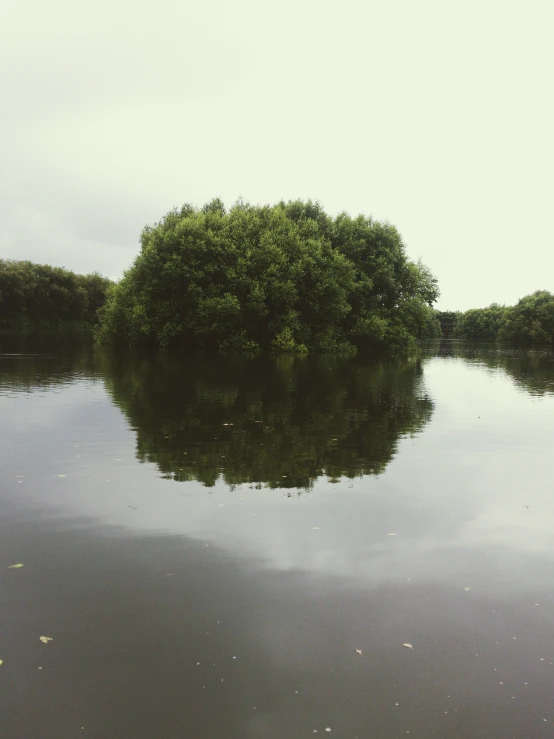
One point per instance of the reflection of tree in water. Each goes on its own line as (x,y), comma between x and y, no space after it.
(31,362)
(531,369)
(282,421)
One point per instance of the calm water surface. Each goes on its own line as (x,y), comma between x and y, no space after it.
(209,542)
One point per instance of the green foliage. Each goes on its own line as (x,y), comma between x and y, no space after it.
(36,295)
(432,328)
(480,323)
(280,421)
(285,278)
(448,321)
(531,321)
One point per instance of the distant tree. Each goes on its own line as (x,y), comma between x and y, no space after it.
(448,321)
(432,328)
(531,321)
(481,323)
(285,278)
(35,293)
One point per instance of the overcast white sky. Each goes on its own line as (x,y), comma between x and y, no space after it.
(436,115)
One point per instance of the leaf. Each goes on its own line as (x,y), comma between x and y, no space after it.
(1,661)
(359,651)
(391,534)
(467,589)
(61,475)
(15,567)
(45,639)
(408,646)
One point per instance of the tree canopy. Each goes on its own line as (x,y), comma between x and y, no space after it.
(480,323)
(37,293)
(531,321)
(286,277)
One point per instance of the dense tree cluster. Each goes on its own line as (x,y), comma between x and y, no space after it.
(432,328)
(531,321)
(35,294)
(287,278)
(480,323)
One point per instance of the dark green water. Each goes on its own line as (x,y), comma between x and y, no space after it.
(208,542)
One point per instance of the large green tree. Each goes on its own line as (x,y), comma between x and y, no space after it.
(286,277)
(531,321)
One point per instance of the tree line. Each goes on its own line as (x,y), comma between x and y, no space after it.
(38,295)
(530,321)
(281,278)
(284,278)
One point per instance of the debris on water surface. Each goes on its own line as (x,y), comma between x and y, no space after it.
(316,528)
(15,567)
(45,639)
(466,589)
(392,534)
(61,475)
(359,651)
(1,661)
(408,646)
(327,729)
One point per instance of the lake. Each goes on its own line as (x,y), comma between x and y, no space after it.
(242,548)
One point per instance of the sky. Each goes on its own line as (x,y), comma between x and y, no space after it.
(436,116)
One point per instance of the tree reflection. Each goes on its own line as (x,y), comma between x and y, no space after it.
(31,362)
(281,422)
(531,370)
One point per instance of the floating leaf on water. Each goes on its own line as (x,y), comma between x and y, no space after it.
(466,588)
(392,534)
(316,528)
(1,661)
(45,639)
(15,567)
(408,646)
(359,651)
(61,475)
